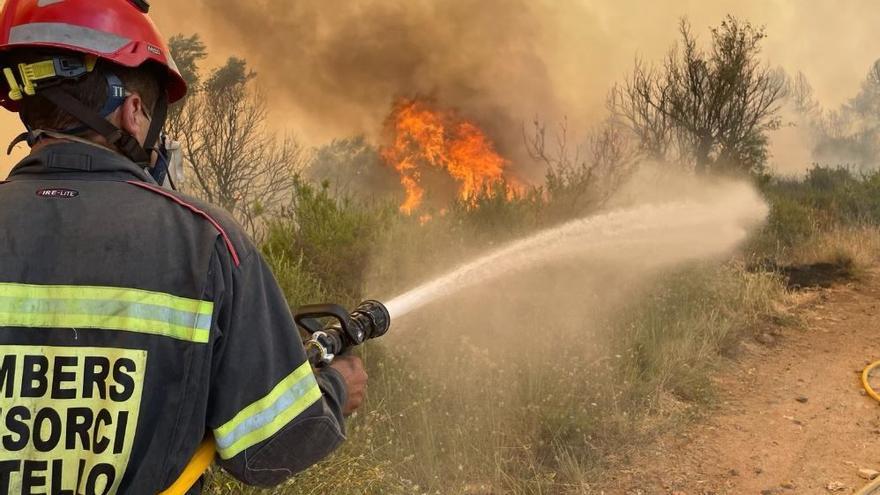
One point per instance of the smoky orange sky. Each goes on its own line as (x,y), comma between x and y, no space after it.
(332,68)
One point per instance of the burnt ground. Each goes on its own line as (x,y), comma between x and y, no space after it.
(791,416)
(817,275)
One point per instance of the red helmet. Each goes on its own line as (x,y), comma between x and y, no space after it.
(118,31)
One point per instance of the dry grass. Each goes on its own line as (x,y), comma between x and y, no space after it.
(853,248)
(470,403)
(453,415)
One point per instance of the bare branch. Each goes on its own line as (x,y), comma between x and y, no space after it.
(235,161)
(711,109)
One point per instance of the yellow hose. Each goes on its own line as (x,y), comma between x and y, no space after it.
(866,380)
(872,488)
(195,469)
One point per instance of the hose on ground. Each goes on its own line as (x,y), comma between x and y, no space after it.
(866,381)
(872,488)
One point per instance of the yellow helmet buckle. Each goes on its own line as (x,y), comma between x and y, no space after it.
(30,74)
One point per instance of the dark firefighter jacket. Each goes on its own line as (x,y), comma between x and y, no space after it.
(134,321)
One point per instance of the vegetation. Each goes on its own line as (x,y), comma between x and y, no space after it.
(709,109)
(541,398)
(448,414)
(849,134)
(828,210)
(235,161)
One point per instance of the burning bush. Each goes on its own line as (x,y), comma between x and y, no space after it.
(429,145)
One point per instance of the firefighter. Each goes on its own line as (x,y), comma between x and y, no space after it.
(134,320)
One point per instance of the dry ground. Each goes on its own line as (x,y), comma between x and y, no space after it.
(791,419)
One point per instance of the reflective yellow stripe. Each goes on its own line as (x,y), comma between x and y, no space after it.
(108,308)
(267,416)
(106,293)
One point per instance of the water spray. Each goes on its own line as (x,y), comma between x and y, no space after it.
(654,235)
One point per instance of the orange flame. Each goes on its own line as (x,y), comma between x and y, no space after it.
(423,136)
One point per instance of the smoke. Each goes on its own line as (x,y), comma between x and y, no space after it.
(333,68)
(339,63)
(814,133)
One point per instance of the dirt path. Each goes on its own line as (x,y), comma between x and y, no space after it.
(792,418)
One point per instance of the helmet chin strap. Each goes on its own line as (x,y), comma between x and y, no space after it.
(152,142)
(122,140)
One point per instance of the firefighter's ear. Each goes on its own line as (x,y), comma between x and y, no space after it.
(134,117)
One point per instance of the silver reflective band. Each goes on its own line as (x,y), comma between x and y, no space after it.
(171,63)
(67,34)
(44,3)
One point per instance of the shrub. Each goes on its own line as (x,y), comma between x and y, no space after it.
(789,223)
(485,409)
(328,240)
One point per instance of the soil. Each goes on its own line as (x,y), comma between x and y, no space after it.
(791,418)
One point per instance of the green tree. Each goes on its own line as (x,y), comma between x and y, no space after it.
(235,161)
(846,136)
(188,52)
(708,108)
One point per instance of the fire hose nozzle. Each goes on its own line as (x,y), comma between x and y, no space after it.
(346,330)
(369,321)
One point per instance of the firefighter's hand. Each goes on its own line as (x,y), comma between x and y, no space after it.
(352,370)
